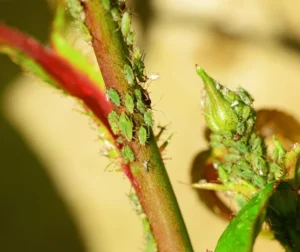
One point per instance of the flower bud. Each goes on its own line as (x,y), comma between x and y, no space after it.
(219,114)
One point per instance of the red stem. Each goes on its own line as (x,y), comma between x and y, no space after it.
(65,74)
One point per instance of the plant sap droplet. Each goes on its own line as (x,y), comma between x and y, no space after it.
(113,120)
(114,96)
(125,126)
(129,103)
(142,134)
(128,73)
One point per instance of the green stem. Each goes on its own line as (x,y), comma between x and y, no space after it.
(149,176)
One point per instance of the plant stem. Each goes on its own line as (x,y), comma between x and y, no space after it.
(150,178)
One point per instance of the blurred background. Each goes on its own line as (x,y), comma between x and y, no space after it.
(55,194)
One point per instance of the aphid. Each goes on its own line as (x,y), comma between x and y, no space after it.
(246,112)
(125,24)
(106,4)
(138,94)
(114,96)
(245,96)
(127,154)
(113,120)
(242,147)
(148,119)
(125,126)
(276,170)
(128,73)
(279,151)
(141,106)
(129,103)
(259,181)
(138,66)
(115,15)
(240,128)
(142,134)
(130,38)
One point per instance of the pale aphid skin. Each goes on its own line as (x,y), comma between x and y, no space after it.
(127,154)
(129,103)
(125,126)
(125,24)
(129,75)
(142,135)
(114,96)
(113,120)
(146,165)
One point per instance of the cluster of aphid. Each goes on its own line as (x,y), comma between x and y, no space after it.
(244,152)
(136,100)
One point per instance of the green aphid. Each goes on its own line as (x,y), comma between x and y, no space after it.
(113,120)
(129,103)
(106,4)
(130,38)
(125,126)
(242,147)
(148,119)
(246,112)
(128,73)
(260,165)
(138,94)
(223,176)
(250,124)
(276,170)
(279,151)
(238,109)
(138,65)
(247,174)
(127,154)
(141,106)
(125,24)
(216,137)
(232,157)
(240,128)
(115,14)
(142,134)
(114,96)
(245,96)
(259,181)
(229,142)
(230,96)
(243,165)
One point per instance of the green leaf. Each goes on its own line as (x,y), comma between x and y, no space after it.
(243,229)
(28,64)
